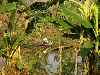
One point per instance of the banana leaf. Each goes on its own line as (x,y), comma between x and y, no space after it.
(75,16)
(86,48)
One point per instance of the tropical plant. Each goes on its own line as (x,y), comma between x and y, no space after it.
(74,19)
(86,17)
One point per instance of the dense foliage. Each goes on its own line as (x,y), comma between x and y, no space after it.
(49,37)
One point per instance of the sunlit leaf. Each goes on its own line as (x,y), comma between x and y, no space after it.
(69,13)
(75,16)
(88,44)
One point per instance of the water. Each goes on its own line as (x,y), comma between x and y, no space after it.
(53,64)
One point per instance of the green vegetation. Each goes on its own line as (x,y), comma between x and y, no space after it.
(49,37)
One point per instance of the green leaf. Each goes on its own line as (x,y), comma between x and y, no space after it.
(13,20)
(70,13)
(2,51)
(84,52)
(48,18)
(59,22)
(20,65)
(6,40)
(87,44)
(85,48)
(2,8)
(8,7)
(63,24)
(18,40)
(76,17)
(30,66)
(32,61)
(86,24)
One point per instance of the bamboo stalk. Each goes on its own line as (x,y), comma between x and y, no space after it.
(96,28)
(76,66)
(60,55)
(60,49)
